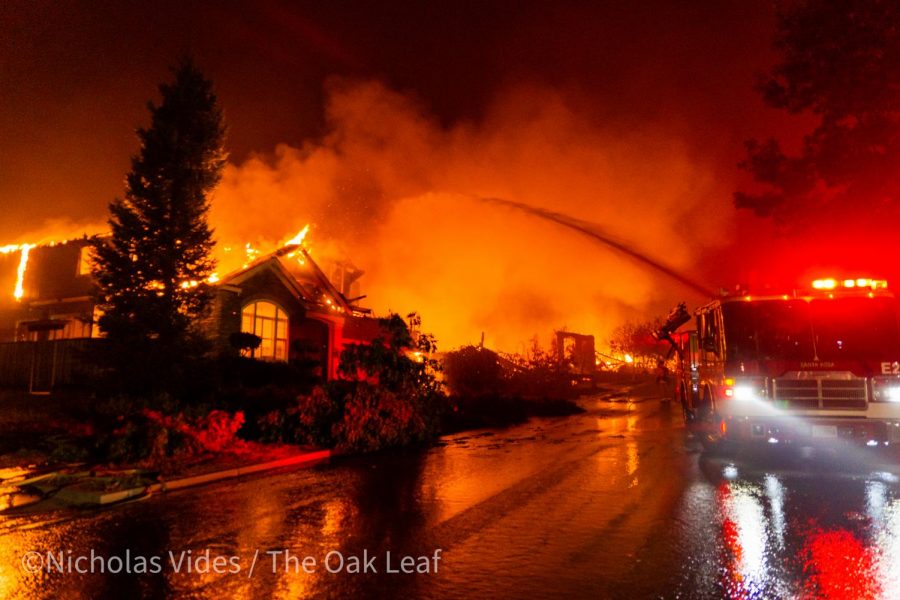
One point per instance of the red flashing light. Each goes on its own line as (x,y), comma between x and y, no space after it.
(831,284)
(723,427)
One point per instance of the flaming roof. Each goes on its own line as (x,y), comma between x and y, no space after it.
(293,265)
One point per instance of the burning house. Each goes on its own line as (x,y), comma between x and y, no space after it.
(48,311)
(297,310)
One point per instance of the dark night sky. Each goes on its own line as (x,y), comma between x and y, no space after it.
(75,76)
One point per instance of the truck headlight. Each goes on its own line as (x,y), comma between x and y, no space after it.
(745,389)
(745,392)
(886,390)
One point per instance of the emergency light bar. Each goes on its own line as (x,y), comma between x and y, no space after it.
(831,284)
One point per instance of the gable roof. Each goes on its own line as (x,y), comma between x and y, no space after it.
(299,273)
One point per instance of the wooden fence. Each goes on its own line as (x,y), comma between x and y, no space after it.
(41,367)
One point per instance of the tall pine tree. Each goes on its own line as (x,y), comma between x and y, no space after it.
(151,271)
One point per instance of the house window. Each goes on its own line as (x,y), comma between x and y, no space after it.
(270,323)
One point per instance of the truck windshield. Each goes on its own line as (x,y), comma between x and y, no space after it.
(823,329)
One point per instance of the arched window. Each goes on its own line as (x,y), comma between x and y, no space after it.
(270,323)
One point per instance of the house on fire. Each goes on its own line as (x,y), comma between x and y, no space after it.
(48,312)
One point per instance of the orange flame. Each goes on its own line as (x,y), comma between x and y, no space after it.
(251,254)
(20,272)
(297,240)
(25,249)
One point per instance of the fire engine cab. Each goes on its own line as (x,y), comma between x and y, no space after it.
(795,369)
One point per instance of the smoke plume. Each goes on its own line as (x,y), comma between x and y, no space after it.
(395,191)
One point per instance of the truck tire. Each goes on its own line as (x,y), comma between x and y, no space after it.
(705,410)
(686,411)
(713,443)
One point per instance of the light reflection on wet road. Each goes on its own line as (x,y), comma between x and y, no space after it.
(617,502)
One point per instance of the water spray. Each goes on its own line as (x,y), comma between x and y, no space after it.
(595,232)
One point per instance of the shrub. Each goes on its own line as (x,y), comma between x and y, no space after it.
(217,431)
(308,420)
(376,418)
(539,376)
(473,371)
(242,340)
(156,438)
(388,395)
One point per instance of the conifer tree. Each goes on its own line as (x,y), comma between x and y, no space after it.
(152,270)
(840,65)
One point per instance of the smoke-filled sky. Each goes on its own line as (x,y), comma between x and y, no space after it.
(382,123)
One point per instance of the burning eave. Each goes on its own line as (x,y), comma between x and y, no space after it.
(296,267)
(300,273)
(40,272)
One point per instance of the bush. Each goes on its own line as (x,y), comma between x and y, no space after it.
(376,418)
(308,420)
(473,371)
(238,373)
(155,438)
(242,340)
(388,395)
(259,388)
(540,377)
(391,382)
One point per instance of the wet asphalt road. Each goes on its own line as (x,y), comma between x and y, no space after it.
(618,502)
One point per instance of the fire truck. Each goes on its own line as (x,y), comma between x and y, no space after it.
(805,368)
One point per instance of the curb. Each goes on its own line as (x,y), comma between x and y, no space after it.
(99,498)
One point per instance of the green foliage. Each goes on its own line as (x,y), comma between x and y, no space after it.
(490,390)
(398,361)
(160,239)
(538,375)
(242,340)
(473,371)
(389,395)
(308,419)
(636,338)
(157,439)
(839,63)
(390,383)
(376,418)
(66,449)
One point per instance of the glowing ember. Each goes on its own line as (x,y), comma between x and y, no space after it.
(251,254)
